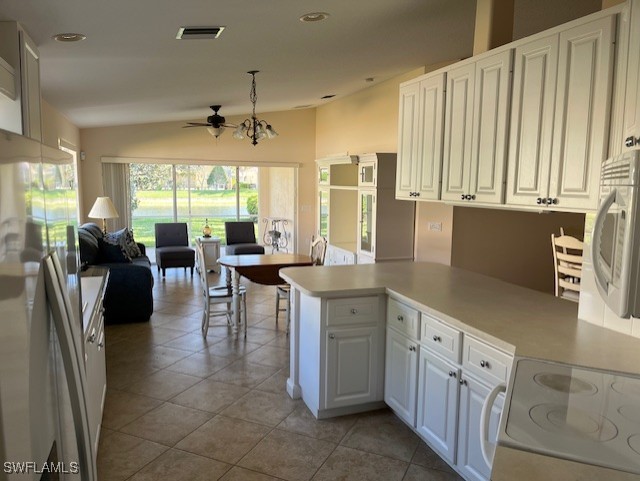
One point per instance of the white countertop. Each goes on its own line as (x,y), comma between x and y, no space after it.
(522,321)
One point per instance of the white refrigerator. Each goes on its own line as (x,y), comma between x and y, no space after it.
(43,411)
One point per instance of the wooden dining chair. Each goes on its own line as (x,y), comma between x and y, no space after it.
(317,252)
(567,261)
(215,295)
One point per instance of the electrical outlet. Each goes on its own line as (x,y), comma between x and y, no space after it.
(435,226)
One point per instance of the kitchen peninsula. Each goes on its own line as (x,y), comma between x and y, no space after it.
(464,308)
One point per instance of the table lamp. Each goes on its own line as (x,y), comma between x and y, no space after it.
(103,209)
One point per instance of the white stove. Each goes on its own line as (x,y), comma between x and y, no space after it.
(577,413)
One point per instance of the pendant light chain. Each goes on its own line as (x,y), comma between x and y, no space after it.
(253,128)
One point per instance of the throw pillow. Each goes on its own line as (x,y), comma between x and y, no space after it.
(130,246)
(110,252)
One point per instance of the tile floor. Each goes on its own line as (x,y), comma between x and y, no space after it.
(185,408)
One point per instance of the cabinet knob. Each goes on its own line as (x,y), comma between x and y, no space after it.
(484,363)
(400,318)
(417,194)
(332,336)
(412,348)
(553,201)
(354,311)
(472,197)
(437,338)
(463,197)
(631,141)
(463,382)
(452,374)
(539,200)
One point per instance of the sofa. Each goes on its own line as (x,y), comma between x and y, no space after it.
(129,293)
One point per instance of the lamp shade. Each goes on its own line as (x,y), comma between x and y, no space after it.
(103,208)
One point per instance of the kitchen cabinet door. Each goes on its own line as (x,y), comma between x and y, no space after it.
(472,395)
(30,67)
(631,106)
(583,102)
(401,366)
(437,412)
(351,366)
(367,223)
(419,167)
(408,132)
(492,99)
(458,132)
(530,138)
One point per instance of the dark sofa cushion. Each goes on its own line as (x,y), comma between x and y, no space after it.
(241,249)
(111,253)
(89,247)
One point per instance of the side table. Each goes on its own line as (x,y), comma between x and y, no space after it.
(211,248)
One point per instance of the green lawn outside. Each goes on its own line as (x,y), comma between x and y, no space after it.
(217,206)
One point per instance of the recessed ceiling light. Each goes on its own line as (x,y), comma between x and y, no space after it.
(369,79)
(69,37)
(328,96)
(314,17)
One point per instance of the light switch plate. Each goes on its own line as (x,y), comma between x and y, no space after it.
(435,226)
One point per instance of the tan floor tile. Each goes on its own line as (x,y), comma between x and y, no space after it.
(261,336)
(269,322)
(200,364)
(179,308)
(241,474)
(225,439)
(418,473)
(345,463)
(181,466)
(270,356)
(193,341)
(301,421)
(426,457)
(288,456)
(233,348)
(163,384)
(262,407)
(185,323)
(167,424)
(210,396)
(282,341)
(277,383)
(121,374)
(120,456)
(121,408)
(244,373)
(382,433)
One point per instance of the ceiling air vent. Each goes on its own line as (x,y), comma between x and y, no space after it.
(185,33)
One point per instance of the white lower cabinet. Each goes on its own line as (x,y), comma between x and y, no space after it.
(351,373)
(400,375)
(470,462)
(437,420)
(442,399)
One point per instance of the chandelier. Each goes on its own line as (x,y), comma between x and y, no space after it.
(253,128)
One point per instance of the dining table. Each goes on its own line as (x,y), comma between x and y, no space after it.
(258,268)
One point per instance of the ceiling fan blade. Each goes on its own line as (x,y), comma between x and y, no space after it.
(195,124)
(229,126)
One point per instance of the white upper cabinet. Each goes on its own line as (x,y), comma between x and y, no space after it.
(476,126)
(490,128)
(631,80)
(420,138)
(30,66)
(457,132)
(534,82)
(560,117)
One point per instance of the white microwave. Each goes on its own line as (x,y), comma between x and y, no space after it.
(615,248)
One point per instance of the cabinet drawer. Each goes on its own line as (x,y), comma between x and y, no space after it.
(443,339)
(353,310)
(485,361)
(403,318)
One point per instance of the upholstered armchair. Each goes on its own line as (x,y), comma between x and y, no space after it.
(172,247)
(241,239)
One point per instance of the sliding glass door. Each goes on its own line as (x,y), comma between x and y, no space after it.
(195,194)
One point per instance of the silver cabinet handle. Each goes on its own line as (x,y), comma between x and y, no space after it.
(92,336)
(453,374)
(484,363)
(463,382)
(332,336)
(354,311)
(437,338)
(400,318)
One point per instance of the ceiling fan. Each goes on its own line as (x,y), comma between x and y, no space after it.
(215,123)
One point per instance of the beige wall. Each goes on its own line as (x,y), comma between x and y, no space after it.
(366,121)
(169,140)
(277,199)
(510,245)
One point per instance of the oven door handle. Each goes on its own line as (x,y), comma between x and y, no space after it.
(596,237)
(488,449)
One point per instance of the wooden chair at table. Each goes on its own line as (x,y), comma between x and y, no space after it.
(317,253)
(567,260)
(215,295)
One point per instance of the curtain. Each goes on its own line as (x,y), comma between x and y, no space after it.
(115,178)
